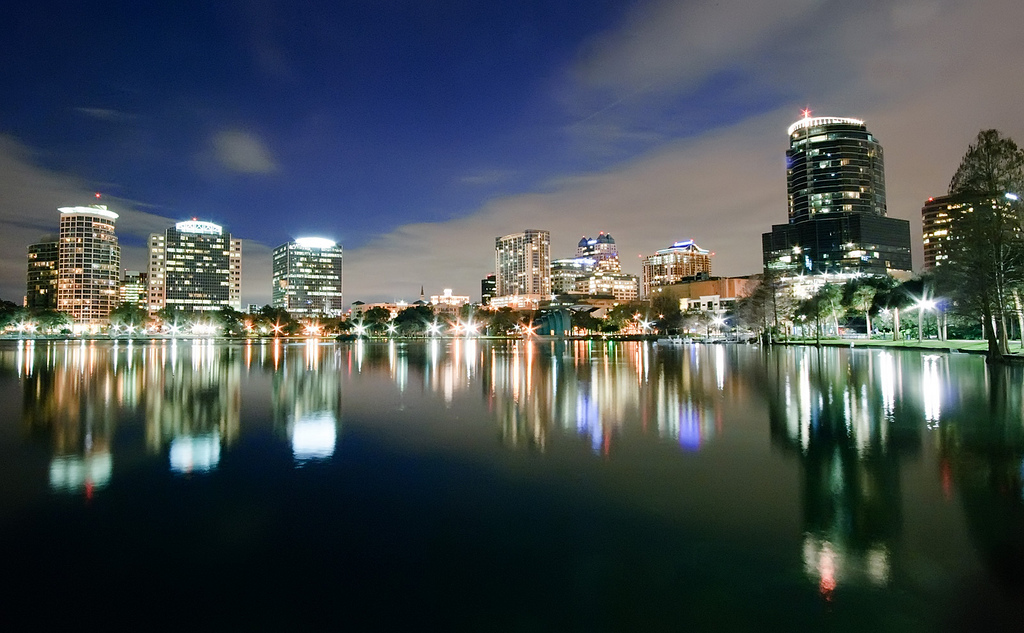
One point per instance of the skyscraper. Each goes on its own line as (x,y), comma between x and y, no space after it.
(837,212)
(133,289)
(681,261)
(43,261)
(195,266)
(522,263)
(308,277)
(89,263)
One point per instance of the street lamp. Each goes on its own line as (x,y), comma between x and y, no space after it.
(922,305)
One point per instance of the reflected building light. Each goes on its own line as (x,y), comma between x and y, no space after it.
(804,406)
(195,453)
(720,367)
(827,563)
(931,390)
(74,473)
(690,427)
(312,354)
(314,436)
(887,384)
(588,420)
(878,565)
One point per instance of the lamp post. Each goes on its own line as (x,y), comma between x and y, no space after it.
(922,305)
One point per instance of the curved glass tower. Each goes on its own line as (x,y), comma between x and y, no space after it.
(835,180)
(833,165)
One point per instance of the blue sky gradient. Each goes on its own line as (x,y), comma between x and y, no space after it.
(416,132)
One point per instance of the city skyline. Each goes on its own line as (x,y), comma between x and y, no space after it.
(457,125)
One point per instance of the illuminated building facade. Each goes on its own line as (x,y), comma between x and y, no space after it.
(837,211)
(195,266)
(682,260)
(89,260)
(565,273)
(134,289)
(447,303)
(522,263)
(307,277)
(43,261)
(594,271)
(488,286)
(939,218)
(602,251)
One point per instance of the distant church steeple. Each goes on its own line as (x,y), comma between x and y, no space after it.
(422,296)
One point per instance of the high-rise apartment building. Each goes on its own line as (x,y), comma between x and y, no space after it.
(522,263)
(307,277)
(43,261)
(837,211)
(681,261)
(89,260)
(195,266)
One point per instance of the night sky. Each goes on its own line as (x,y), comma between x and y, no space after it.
(416,132)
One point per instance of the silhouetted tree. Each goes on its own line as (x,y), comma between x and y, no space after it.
(986,256)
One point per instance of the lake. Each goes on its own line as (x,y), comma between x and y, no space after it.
(500,485)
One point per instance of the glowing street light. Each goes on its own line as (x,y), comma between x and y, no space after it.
(922,305)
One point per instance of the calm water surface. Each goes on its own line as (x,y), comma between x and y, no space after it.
(509,486)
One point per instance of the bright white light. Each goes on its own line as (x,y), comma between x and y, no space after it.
(195,453)
(1012,196)
(314,436)
(315,242)
(97,210)
(195,226)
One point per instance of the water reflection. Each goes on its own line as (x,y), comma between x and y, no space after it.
(849,421)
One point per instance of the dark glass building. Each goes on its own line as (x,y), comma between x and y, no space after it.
(41,290)
(835,179)
(488,287)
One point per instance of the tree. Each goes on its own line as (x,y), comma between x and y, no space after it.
(503,321)
(128,315)
(10,313)
(51,321)
(860,296)
(414,320)
(230,320)
(666,310)
(584,320)
(986,256)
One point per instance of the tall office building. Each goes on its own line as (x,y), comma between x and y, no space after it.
(41,287)
(89,263)
(195,266)
(602,250)
(681,261)
(307,277)
(522,263)
(134,289)
(837,214)
(939,218)
(488,286)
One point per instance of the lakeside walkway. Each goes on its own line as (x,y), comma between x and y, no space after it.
(966,346)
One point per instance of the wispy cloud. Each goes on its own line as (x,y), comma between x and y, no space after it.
(105,114)
(489,177)
(28,211)
(243,152)
(888,63)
